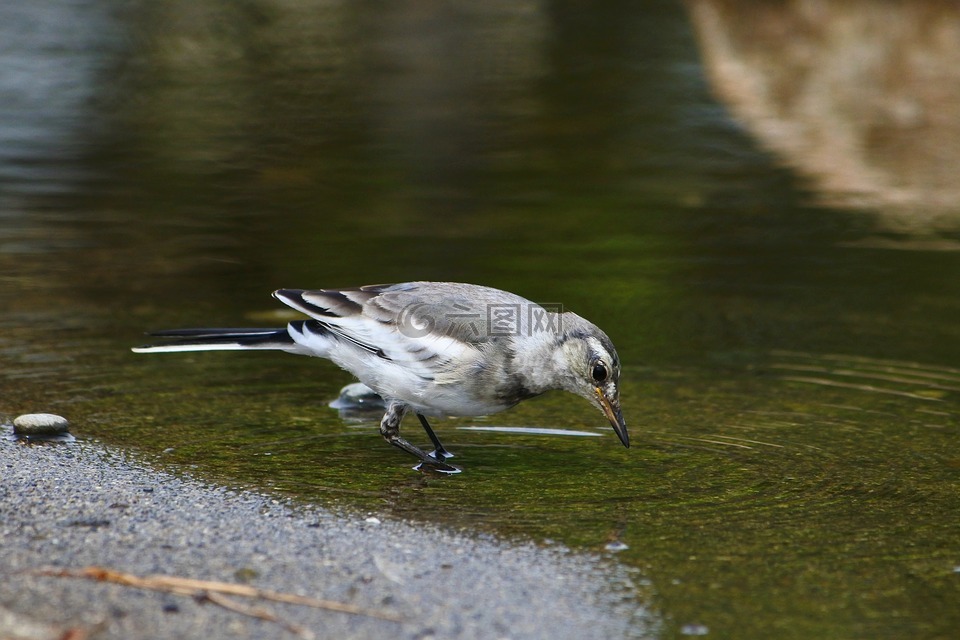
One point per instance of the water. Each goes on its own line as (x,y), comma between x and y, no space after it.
(791,356)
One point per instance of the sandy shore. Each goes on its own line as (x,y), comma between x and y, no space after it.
(80,504)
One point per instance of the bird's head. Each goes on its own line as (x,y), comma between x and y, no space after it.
(592,370)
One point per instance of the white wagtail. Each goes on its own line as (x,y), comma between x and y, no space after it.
(436,348)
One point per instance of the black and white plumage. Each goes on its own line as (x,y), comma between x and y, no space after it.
(436,348)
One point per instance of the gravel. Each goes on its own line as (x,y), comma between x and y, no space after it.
(81,504)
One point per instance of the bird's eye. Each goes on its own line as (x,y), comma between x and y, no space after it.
(600,372)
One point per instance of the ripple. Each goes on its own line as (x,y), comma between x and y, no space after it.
(917,381)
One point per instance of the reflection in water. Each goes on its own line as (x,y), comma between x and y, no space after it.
(51,56)
(533,431)
(862,96)
(298,96)
(9,433)
(174,160)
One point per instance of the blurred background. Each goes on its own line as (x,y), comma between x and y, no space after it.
(756,200)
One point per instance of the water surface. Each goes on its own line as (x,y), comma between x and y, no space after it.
(791,362)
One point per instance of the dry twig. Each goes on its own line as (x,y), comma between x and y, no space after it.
(256,612)
(216,592)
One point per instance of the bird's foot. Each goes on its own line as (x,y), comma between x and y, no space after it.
(436,461)
(440,454)
(428,462)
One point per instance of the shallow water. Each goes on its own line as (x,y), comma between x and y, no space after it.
(791,355)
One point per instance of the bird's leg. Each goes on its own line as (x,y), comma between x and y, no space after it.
(390,430)
(439,452)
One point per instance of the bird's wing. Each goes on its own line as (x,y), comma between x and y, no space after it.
(433,326)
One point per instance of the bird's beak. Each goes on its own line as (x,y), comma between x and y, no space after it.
(611,409)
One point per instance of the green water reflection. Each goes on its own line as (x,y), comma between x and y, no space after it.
(792,372)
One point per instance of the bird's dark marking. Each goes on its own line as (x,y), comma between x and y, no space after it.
(513,391)
(580,334)
(311,326)
(318,327)
(574,334)
(352,306)
(380,288)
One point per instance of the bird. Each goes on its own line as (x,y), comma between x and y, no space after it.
(435,349)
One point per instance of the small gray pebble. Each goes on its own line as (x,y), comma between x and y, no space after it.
(40,424)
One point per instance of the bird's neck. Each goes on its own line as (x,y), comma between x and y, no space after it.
(534,363)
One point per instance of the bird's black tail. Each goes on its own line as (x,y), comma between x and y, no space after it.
(219,340)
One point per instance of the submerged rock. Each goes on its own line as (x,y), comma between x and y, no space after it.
(358,397)
(40,424)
